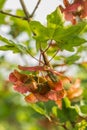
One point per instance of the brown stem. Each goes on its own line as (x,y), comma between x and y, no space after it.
(34,57)
(52,76)
(45,58)
(48,46)
(35,8)
(25,9)
(16,16)
(27,15)
(54,55)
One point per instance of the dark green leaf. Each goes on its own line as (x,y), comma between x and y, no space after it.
(68,112)
(48,106)
(84,109)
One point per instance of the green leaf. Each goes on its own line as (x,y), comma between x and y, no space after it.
(82,125)
(54,110)
(39,109)
(59,128)
(68,125)
(39,45)
(48,106)
(84,109)
(2,2)
(69,31)
(19,12)
(70,42)
(12,46)
(40,32)
(69,37)
(8,48)
(2,17)
(71,59)
(55,19)
(68,113)
(19,26)
(66,103)
(5,40)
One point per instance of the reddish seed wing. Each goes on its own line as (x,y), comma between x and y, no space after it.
(31,98)
(12,78)
(58,86)
(66,3)
(77,8)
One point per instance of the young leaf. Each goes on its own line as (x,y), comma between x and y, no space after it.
(55,19)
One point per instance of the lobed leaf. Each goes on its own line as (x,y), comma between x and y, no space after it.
(67,113)
(40,32)
(55,19)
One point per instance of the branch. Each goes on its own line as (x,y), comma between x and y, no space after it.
(25,9)
(16,16)
(54,55)
(35,8)
(34,57)
(45,58)
(52,76)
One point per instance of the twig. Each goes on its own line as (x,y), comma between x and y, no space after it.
(16,16)
(54,55)
(34,57)
(48,46)
(52,76)
(59,65)
(45,58)
(35,8)
(25,9)
(27,15)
